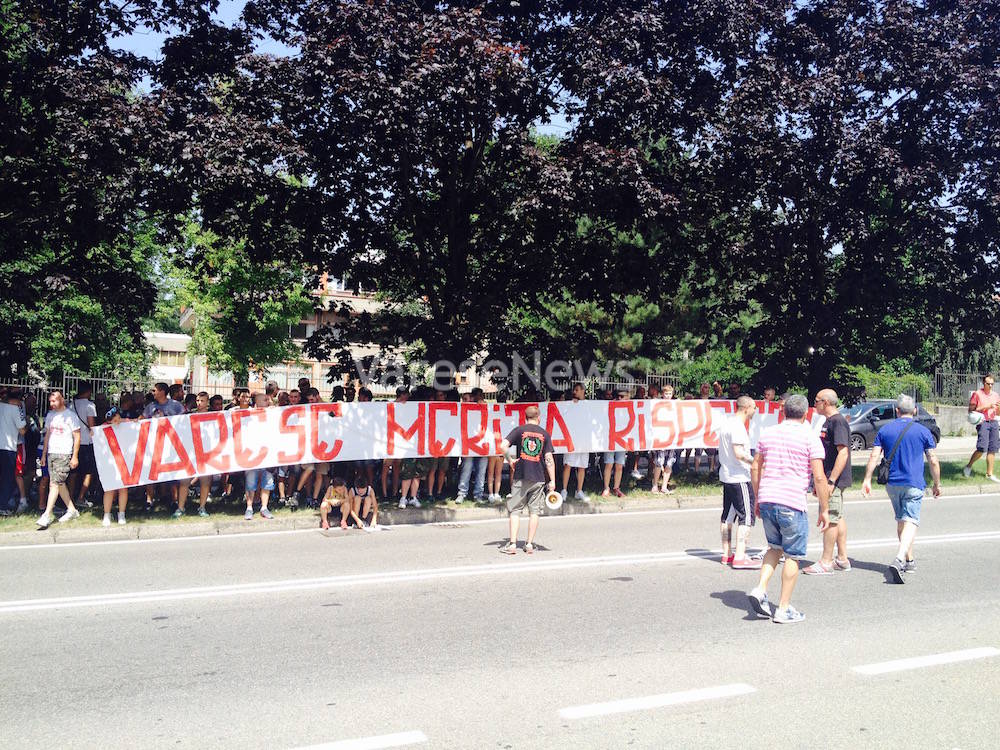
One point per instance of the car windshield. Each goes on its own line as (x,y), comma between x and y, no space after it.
(854,411)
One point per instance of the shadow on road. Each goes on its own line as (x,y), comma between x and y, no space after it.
(705,554)
(736,600)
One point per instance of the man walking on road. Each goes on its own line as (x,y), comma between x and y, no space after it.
(533,463)
(787,454)
(986,401)
(836,438)
(908,443)
(737,494)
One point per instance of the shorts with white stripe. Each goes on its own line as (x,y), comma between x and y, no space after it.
(738,504)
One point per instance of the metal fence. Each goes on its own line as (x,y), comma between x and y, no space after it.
(952,387)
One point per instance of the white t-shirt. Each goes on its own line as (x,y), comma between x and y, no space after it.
(60,426)
(84,408)
(731,469)
(10,422)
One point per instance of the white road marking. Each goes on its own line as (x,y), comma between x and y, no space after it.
(399,527)
(933,660)
(500,567)
(655,701)
(372,743)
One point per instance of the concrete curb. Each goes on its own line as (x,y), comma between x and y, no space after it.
(307,519)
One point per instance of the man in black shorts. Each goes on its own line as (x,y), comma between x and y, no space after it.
(529,469)
(737,493)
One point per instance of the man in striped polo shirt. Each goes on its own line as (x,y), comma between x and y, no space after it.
(787,455)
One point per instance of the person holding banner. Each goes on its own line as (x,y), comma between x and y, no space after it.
(532,448)
(114,417)
(577,461)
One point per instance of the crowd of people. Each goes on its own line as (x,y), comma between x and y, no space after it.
(772,482)
(55,455)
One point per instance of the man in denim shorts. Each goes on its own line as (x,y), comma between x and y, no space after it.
(906,477)
(787,454)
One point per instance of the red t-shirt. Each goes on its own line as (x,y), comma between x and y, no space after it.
(981,398)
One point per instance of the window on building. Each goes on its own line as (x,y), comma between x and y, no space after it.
(169,358)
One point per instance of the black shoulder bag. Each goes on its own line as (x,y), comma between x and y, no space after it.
(882,474)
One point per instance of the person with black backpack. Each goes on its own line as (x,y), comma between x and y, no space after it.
(903,474)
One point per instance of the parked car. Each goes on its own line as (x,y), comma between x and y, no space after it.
(867,418)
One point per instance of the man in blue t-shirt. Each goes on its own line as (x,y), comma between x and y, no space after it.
(908,443)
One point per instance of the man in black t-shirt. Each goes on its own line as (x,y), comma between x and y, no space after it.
(533,463)
(836,438)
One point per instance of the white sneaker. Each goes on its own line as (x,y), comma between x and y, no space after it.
(581,495)
(563,495)
(106,521)
(121,519)
(414,503)
(69,515)
(43,521)
(402,503)
(636,474)
(966,472)
(992,478)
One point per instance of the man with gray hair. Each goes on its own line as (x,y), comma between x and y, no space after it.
(908,443)
(737,494)
(787,455)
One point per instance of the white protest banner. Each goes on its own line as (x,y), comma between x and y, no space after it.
(215,442)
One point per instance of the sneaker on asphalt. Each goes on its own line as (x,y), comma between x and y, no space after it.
(966,471)
(266,513)
(818,569)
(121,519)
(910,566)
(414,502)
(69,515)
(727,559)
(177,513)
(43,521)
(789,615)
(759,602)
(106,521)
(402,503)
(843,565)
(202,512)
(896,570)
(510,548)
(248,516)
(746,563)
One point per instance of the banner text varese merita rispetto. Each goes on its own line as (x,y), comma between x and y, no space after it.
(197,444)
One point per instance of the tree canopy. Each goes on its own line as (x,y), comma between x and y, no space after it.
(779,189)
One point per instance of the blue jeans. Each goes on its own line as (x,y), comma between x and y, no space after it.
(8,463)
(465,475)
(786,529)
(906,502)
(259,479)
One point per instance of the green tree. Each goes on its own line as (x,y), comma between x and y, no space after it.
(242,307)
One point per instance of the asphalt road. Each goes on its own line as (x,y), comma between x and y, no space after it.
(622,631)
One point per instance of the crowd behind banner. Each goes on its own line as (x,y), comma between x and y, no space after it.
(66,474)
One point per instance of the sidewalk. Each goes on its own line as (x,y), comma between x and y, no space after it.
(309,519)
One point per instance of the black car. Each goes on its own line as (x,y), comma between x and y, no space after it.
(867,418)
